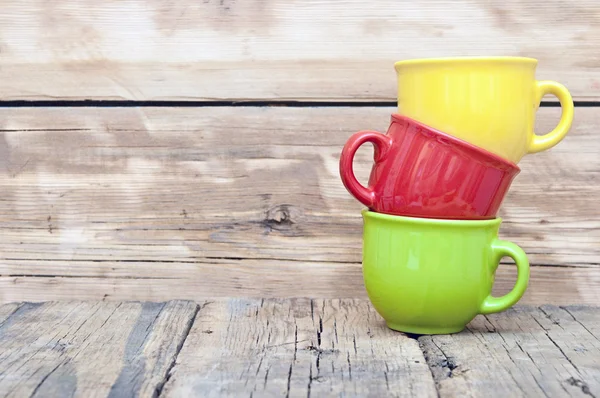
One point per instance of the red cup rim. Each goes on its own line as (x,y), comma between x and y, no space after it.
(458,142)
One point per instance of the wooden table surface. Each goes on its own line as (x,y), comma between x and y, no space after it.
(289,348)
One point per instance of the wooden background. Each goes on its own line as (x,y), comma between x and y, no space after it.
(152,150)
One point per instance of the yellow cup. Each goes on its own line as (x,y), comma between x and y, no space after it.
(488,101)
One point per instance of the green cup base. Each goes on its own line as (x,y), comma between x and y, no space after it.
(424,330)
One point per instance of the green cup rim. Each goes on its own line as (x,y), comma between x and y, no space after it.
(366,213)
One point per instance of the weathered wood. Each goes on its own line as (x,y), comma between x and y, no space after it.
(587,317)
(297,348)
(91,349)
(276,49)
(7,310)
(217,199)
(577,342)
(557,285)
(294,348)
(525,351)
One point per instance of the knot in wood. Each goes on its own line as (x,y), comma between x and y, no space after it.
(279,218)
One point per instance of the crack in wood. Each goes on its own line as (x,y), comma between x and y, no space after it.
(14,310)
(335,331)
(582,385)
(39,385)
(130,377)
(550,317)
(289,380)
(72,333)
(542,389)
(310,380)
(582,325)
(188,327)
(319,331)
(447,362)
(295,340)
(320,351)
(266,377)
(562,352)
(259,365)
(349,366)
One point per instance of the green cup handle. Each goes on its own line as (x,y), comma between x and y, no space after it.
(501,248)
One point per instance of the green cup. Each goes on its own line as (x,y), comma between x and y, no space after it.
(432,276)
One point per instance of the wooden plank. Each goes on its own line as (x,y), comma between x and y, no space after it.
(7,310)
(156,184)
(293,347)
(297,348)
(587,317)
(525,351)
(276,49)
(555,285)
(578,344)
(91,349)
(218,199)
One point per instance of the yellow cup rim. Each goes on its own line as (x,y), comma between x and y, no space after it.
(475,59)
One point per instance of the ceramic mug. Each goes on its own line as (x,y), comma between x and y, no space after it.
(421,172)
(427,276)
(489,102)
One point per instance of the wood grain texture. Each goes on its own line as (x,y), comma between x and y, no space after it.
(296,348)
(7,310)
(91,349)
(290,348)
(525,351)
(277,49)
(556,285)
(218,199)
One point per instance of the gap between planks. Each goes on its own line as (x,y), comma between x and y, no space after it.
(229,104)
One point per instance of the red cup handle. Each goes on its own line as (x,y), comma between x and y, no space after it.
(382,143)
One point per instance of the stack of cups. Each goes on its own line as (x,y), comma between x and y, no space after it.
(430,237)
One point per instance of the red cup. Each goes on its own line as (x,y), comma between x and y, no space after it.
(422,172)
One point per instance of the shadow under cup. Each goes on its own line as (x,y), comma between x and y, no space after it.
(433,276)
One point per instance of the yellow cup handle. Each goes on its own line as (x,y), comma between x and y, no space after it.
(542,142)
